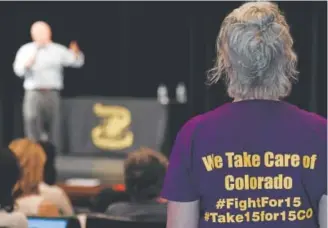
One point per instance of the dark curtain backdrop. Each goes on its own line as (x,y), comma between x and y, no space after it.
(132,47)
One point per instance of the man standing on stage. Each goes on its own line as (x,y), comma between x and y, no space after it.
(41,64)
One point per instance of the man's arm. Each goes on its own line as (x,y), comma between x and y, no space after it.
(72,57)
(182,214)
(323,212)
(22,62)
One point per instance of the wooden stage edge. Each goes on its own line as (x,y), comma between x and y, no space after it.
(86,191)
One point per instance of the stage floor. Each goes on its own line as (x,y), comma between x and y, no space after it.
(107,170)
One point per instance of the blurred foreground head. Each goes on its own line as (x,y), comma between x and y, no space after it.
(41,32)
(144,174)
(31,159)
(255,53)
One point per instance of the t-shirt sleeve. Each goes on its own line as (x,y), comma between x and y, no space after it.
(179,185)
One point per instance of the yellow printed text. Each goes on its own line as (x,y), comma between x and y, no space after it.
(257,183)
(212,162)
(261,202)
(243,160)
(258,216)
(268,159)
(281,160)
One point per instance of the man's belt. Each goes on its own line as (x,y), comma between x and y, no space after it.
(45,89)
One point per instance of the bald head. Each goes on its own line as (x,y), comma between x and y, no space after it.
(41,32)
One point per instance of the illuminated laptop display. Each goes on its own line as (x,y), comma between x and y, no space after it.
(47,223)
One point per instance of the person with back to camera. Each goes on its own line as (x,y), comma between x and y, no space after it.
(9,175)
(144,171)
(31,158)
(40,63)
(258,161)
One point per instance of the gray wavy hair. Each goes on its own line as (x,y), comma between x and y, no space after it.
(255,53)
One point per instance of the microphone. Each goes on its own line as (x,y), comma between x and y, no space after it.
(38,48)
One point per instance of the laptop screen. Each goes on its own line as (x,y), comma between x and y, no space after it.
(47,223)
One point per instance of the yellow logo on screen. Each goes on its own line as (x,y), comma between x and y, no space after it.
(113,133)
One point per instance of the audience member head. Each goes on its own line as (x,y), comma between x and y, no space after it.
(255,53)
(144,173)
(41,33)
(9,175)
(31,158)
(49,173)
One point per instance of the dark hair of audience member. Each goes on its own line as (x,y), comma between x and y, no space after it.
(49,172)
(9,175)
(144,174)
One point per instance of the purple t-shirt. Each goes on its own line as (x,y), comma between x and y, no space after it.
(251,164)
